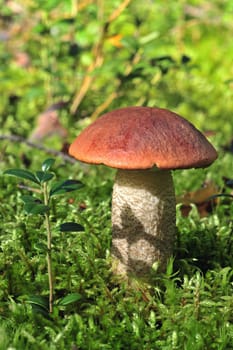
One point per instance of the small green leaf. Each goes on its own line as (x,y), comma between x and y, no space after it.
(69,299)
(39,300)
(47,164)
(70,227)
(37,309)
(39,304)
(30,199)
(23,174)
(35,208)
(43,176)
(65,186)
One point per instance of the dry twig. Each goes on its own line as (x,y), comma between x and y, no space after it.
(20,139)
(98,57)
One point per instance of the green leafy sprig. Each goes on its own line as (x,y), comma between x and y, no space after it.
(36,206)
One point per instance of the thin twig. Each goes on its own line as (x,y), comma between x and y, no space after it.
(103,106)
(89,77)
(83,4)
(49,248)
(20,139)
(98,58)
(116,13)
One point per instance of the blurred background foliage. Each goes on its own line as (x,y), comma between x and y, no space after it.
(91,56)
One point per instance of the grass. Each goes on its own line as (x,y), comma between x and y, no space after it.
(188,307)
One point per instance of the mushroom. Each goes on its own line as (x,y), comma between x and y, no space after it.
(144,144)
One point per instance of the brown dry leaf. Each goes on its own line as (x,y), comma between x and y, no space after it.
(201,198)
(15,7)
(115,40)
(22,59)
(48,124)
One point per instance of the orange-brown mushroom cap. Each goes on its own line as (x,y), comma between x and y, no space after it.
(143,137)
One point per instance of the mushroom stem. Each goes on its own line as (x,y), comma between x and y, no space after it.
(143,220)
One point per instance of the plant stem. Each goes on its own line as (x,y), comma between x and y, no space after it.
(49,249)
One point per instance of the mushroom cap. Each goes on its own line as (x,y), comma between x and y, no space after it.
(143,137)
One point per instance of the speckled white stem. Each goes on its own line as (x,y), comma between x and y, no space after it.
(143,220)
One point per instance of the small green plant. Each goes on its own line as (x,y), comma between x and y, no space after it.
(41,206)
